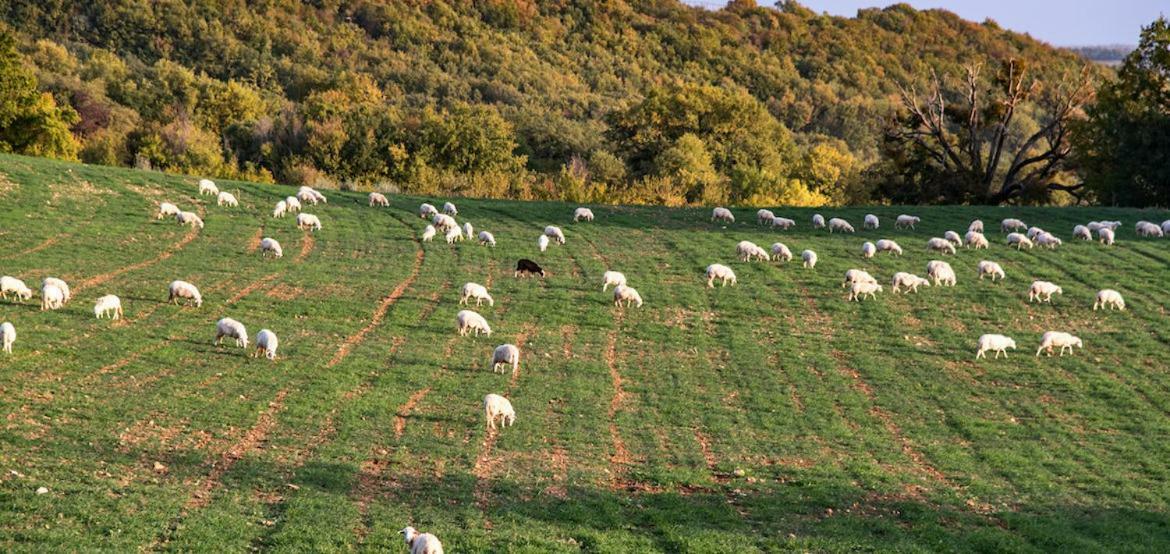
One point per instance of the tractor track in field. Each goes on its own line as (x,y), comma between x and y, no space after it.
(96,280)
(35,248)
(254,242)
(252,287)
(307,245)
(620,459)
(380,313)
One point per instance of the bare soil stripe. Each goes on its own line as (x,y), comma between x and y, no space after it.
(34,249)
(307,243)
(252,288)
(620,457)
(404,411)
(174,248)
(379,313)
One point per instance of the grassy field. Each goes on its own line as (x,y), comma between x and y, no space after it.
(768,416)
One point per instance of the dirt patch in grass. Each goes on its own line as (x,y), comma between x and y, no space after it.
(6,185)
(80,190)
(379,313)
(307,244)
(284,292)
(166,254)
(254,242)
(404,411)
(252,287)
(36,248)
(568,333)
(620,459)
(559,461)
(249,441)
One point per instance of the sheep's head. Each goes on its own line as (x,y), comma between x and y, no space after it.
(408,534)
(1077,341)
(1011,343)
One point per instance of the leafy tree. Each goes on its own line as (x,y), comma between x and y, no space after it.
(31,122)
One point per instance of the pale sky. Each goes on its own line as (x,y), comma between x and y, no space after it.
(1059,22)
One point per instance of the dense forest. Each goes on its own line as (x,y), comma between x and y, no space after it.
(608,101)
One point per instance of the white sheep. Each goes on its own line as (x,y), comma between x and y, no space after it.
(628,295)
(496,407)
(166,209)
(228,327)
(1111,224)
(1109,298)
(226,198)
(308,222)
(940,245)
(319,197)
(9,284)
(1043,289)
(1060,340)
(183,289)
(871,221)
(858,291)
(942,273)
(268,246)
(781,252)
(868,249)
(8,334)
(1019,241)
(721,272)
(280,209)
(1166,227)
(108,306)
(468,321)
(887,245)
(426,210)
(908,281)
(783,223)
(838,224)
(976,226)
(207,186)
(450,209)
(764,217)
(1106,236)
(1149,230)
(542,242)
(266,343)
(748,250)
(189,218)
(379,199)
(992,269)
(505,355)
(1033,232)
(555,233)
(582,213)
(476,291)
(1094,225)
(810,259)
(906,221)
(66,295)
(428,233)
(294,204)
(1082,232)
(976,240)
(1011,224)
(818,221)
(1048,240)
(953,238)
(468,230)
(453,234)
(996,343)
(421,543)
(722,214)
(443,222)
(307,196)
(857,276)
(615,278)
(486,238)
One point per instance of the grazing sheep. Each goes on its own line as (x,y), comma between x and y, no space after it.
(859,291)
(66,294)
(1111,224)
(996,343)
(1109,298)
(424,543)
(450,209)
(228,327)
(838,224)
(1048,240)
(444,222)
(379,199)
(497,407)
(627,294)
(226,198)
(1060,340)
(428,233)
(189,218)
(1033,232)
(781,252)
(906,221)
(992,269)
(453,234)
(940,245)
(307,196)
(1106,236)
(953,238)
(810,259)
(542,242)
(52,297)
(871,221)
(747,250)
(857,276)
(1166,227)
(868,249)
(280,209)
(268,246)
(8,333)
(426,210)
(1019,241)
(818,221)
(308,222)
(183,289)
(486,238)
(555,233)
(908,281)
(1094,225)
(582,213)
(207,186)
(975,226)
(468,321)
(764,217)
(266,343)
(1043,288)
(166,209)
(615,278)
(15,286)
(294,205)
(942,273)
(468,230)
(527,267)
(976,240)
(886,245)
(722,214)
(1082,232)
(108,306)
(1149,230)
(783,223)
(476,291)
(505,355)
(721,272)
(1012,224)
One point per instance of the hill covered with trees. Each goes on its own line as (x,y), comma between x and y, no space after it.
(626,101)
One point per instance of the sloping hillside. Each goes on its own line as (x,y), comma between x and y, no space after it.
(770,415)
